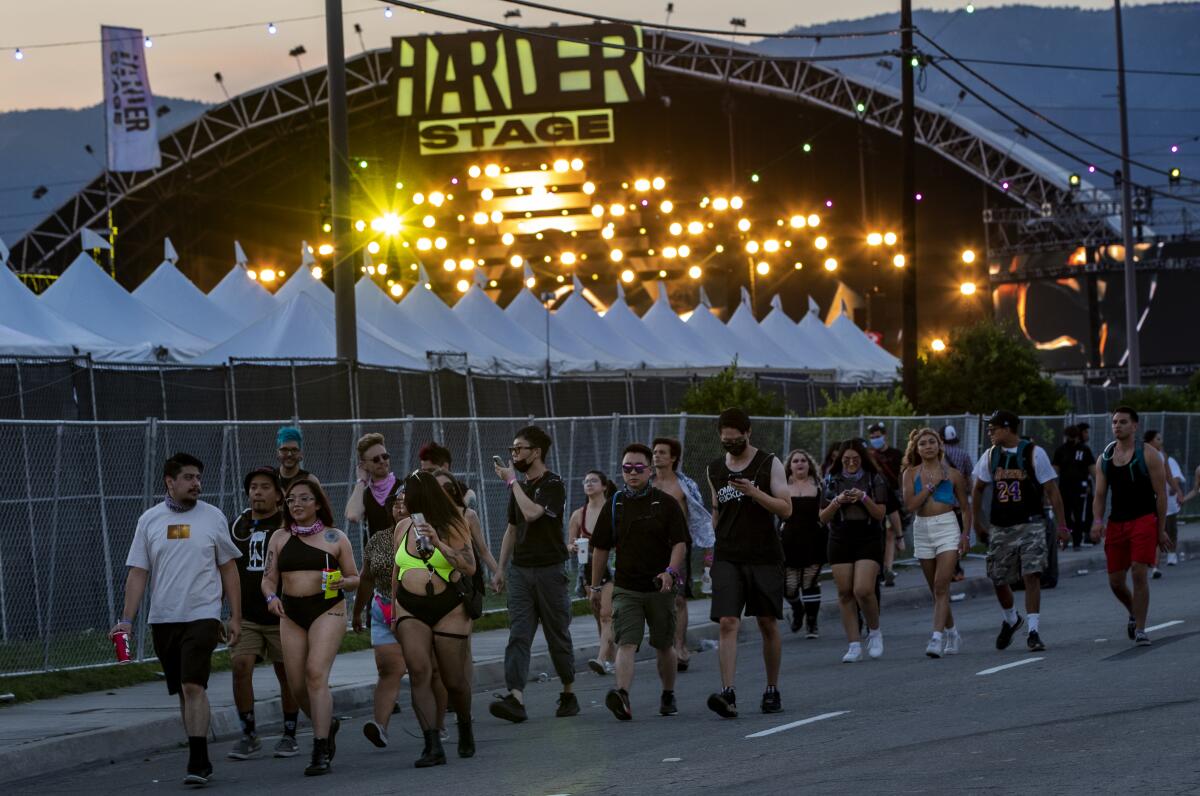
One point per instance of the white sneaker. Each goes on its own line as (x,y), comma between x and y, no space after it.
(1172,559)
(953,642)
(935,647)
(609,668)
(854,653)
(875,643)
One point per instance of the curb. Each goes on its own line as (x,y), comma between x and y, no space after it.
(74,751)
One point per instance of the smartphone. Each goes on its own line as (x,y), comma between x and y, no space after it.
(496,460)
(418,518)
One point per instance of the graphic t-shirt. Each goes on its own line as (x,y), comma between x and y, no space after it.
(182,551)
(251,538)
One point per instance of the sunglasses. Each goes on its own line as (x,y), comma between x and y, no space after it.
(634,468)
(383,457)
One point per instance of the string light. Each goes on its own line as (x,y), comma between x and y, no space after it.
(373,247)
(616,255)
(397,290)
(667,206)
(814,220)
(720,204)
(967,288)
(627,276)
(271,29)
(751,247)
(831,264)
(798,222)
(763,268)
(492,170)
(325,249)
(317,272)
(20,56)
(744,225)
(899,261)
(821,242)
(148,42)
(968,256)
(938,344)
(576,164)
(874,239)
(462,285)
(695,228)
(685,250)
(890,238)
(516,261)
(658,183)
(736,203)
(695,272)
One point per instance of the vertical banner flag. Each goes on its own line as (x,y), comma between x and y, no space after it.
(128,103)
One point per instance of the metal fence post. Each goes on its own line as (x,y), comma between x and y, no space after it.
(614,441)
(33,549)
(49,632)
(106,542)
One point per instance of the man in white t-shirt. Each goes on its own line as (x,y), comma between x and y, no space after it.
(1019,473)
(182,549)
(1175,494)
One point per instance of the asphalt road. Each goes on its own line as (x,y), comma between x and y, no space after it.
(1093,715)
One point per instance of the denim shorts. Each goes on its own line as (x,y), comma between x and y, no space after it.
(381,632)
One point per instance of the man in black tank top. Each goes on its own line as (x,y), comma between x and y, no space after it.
(289,452)
(1137,520)
(1014,529)
(749,490)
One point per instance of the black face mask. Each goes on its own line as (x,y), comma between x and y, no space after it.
(522,466)
(735,446)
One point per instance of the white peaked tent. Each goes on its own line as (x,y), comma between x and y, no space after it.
(787,335)
(581,319)
(622,322)
(671,333)
(531,315)
(425,309)
(480,313)
(852,363)
(856,340)
(374,307)
(88,296)
(718,337)
(21,311)
(239,295)
(302,328)
(172,295)
(303,281)
(18,344)
(755,342)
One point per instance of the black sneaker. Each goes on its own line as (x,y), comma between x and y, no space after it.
(1157,574)
(198,776)
(1034,642)
(509,709)
(1006,633)
(666,705)
(889,578)
(771,702)
(568,705)
(617,700)
(797,621)
(1131,628)
(724,704)
(1141,639)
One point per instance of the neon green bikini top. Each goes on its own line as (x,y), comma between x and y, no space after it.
(406,561)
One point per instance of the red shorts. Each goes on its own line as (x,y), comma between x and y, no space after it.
(1131,541)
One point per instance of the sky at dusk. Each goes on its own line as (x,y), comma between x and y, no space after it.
(183,65)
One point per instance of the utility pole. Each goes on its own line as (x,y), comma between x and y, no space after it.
(339,186)
(1134,361)
(908,206)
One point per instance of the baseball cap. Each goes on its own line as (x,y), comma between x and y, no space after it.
(1002,418)
(949,433)
(269,472)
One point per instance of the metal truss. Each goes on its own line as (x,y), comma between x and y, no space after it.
(1154,265)
(936,128)
(246,127)
(222,137)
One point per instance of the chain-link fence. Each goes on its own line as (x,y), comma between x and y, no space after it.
(71,492)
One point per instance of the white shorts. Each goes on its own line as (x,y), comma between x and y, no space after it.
(934,535)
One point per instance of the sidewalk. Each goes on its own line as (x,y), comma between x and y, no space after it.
(76,730)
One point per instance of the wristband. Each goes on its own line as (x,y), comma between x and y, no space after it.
(126,622)
(271,597)
(510,481)
(674,575)
(596,588)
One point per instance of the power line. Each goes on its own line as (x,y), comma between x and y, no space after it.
(704,31)
(1032,111)
(716,56)
(1069,67)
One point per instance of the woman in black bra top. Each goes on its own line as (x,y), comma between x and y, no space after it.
(311,563)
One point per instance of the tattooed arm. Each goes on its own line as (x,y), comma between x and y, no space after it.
(270,579)
(461,558)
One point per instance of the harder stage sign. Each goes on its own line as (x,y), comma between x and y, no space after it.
(500,90)
(522,131)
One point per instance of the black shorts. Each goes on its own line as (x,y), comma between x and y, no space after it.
(854,542)
(185,651)
(752,589)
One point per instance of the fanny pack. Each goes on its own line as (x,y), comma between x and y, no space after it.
(385,609)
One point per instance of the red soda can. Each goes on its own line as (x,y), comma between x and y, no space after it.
(120,641)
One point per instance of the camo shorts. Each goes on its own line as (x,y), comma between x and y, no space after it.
(1016,551)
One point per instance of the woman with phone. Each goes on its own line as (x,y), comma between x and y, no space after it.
(855,502)
(434,562)
(374,597)
(597,489)
(931,492)
(311,563)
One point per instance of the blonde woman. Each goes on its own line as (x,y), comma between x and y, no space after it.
(932,490)
(805,542)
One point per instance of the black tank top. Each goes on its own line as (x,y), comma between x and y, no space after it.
(745,530)
(296,556)
(378,517)
(1132,492)
(286,480)
(802,527)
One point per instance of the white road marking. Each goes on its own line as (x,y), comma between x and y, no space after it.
(1021,662)
(672,759)
(1172,623)
(800,723)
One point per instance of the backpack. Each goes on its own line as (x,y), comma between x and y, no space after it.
(1138,460)
(616,505)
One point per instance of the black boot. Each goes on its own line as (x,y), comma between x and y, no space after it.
(797,615)
(466,739)
(320,758)
(433,754)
